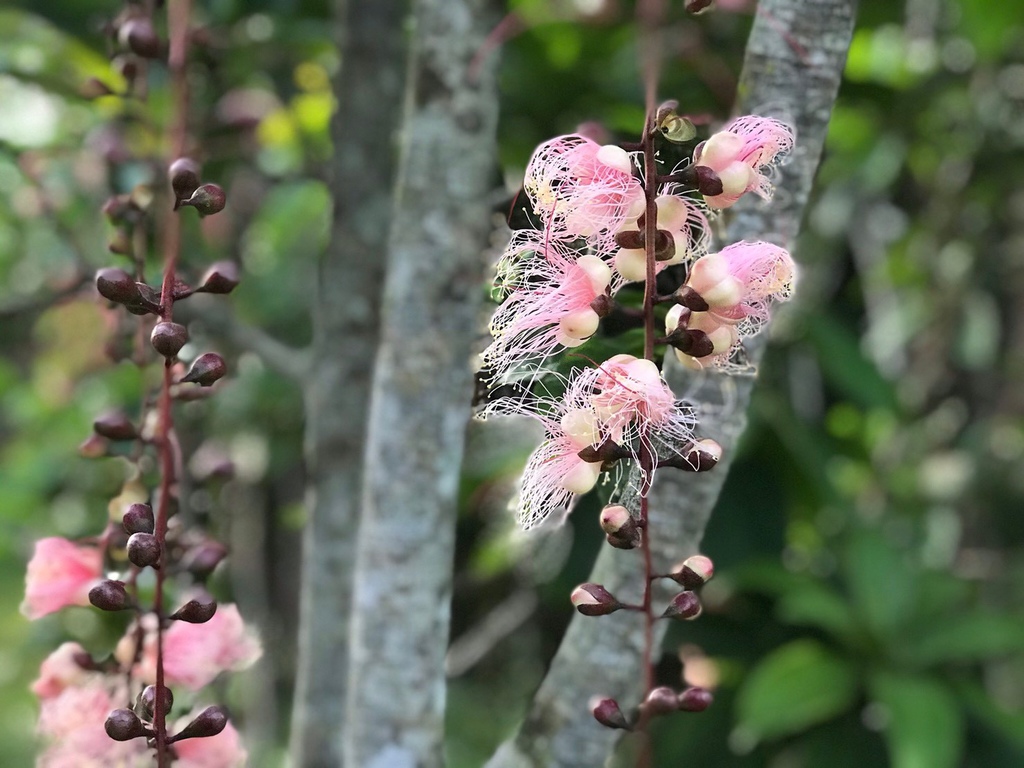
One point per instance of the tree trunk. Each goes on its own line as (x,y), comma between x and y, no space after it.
(345,305)
(421,393)
(794,62)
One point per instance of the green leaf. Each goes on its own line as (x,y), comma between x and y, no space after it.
(925,726)
(881,582)
(970,637)
(816,605)
(796,686)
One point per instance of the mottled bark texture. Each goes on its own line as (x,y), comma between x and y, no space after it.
(794,62)
(421,389)
(345,305)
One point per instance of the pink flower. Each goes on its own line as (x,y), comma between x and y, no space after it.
(224,750)
(739,152)
(739,284)
(61,669)
(551,289)
(60,573)
(72,721)
(688,227)
(194,654)
(582,189)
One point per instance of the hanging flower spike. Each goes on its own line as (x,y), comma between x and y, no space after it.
(687,225)
(550,290)
(739,284)
(581,189)
(59,574)
(739,152)
(632,403)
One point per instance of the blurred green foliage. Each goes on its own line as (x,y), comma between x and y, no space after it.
(869,603)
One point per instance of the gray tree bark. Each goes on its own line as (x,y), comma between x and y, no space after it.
(345,302)
(793,66)
(421,390)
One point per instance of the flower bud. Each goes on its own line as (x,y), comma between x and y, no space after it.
(209,722)
(147,702)
(707,180)
(138,518)
(183,174)
(695,699)
(221,277)
(140,38)
(619,526)
(116,285)
(693,572)
(93,447)
(608,714)
(206,370)
(196,611)
(691,342)
(689,298)
(594,600)
(115,425)
(168,338)
(110,595)
(664,245)
(704,455)
(143,549)
(202,559)
(660,701)
(124,725)
(685,606)
(630,239)
(207,199)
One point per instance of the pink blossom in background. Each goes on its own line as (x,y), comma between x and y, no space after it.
(690,233)
(59,574)
(224,750)
(59,670)
(194,654)
(739,152)
(580,188)
(72,724)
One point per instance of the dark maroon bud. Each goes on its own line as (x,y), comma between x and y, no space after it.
(701,456)
(602,304)
(630,238)
(196,611)
(143,549)
(117,285)
(124,725)
(207,199)
(93,447)
(693,572)
(594,600)
(608,714)
(621,530)
(127,65)
(696,6)
(684,606)
(138,518)
(690,299)
(206,369)
(181,290)
(114,425)
(221,277)
(184,177)
(85,661)
(93,88)
(209,722)
(202,559)
(660,701)
(147,704)
(117,208)
(140,38)
(707,181)
(608,451)
(168,338)
(691,342)
(110,595)
(695,699)
(664,245)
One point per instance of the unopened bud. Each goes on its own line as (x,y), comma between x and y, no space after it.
(124,725)
(704,455)
(201,560)
(209,722)
(594,600)
(115,425)
(196,611)
(685,606)
(631,239)
(689,298)
(143,549)
(660,701)
(608,713)
(206,370)
(707,181)
(221,277)
(148,701)
(139,36)
(93,447)
(664,245)
(138,518)
(183,174)
(168,338)
(116,285)
(207,199)
(110,595)
(619,526)
(602,305)
(691,342)
(693,572)
(695,699)
(120,243)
